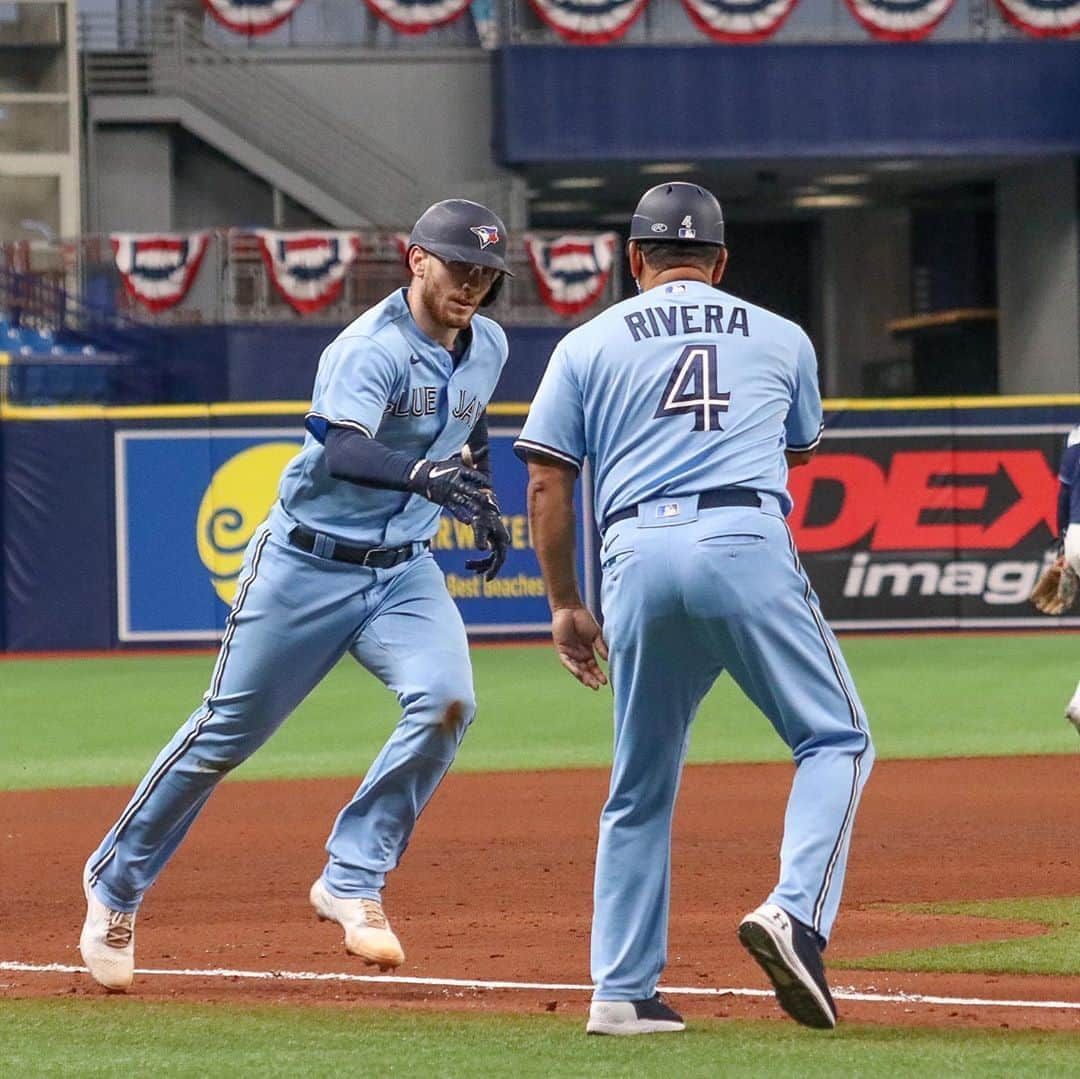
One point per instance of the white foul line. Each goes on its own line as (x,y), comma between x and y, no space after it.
(470,983)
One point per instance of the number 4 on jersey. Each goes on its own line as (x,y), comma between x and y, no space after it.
(693,388)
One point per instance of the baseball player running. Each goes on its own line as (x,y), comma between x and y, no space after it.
(342,564)
(685,401)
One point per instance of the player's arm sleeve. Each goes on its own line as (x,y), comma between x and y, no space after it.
(357,378)
(479,444)
(353,456)
(555,426)
(805,421)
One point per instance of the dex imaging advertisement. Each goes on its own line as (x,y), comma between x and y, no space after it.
(898,528)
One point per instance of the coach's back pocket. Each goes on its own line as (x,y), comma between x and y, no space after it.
(730,539)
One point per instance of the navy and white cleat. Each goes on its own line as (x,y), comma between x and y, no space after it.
(790,955)
(650,1016)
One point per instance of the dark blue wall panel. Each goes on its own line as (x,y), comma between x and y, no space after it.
(192,363)
(530,348)
(275,363)
(633,103)
(58,535)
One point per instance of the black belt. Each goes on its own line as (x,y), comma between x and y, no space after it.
(373,557)
(707,500)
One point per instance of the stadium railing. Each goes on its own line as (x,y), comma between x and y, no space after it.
(75,285)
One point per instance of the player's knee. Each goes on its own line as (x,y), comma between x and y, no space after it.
(216,762)
(220,754)
(450,704)
(848,740)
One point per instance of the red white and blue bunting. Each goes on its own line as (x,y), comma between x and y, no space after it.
(1043,18)
(589,22)
(251,17)
(308,268)
(739,21)
(571,271)
(157,268)
(900,20)
(418,16)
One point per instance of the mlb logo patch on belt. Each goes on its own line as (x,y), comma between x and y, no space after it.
(668,511)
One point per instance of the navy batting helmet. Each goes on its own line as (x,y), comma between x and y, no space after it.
(458,230)
(678,212)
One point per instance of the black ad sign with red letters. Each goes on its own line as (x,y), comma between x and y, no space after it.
(908,527)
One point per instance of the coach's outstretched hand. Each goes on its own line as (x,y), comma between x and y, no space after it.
(451,483)
(491,535)
(578,641)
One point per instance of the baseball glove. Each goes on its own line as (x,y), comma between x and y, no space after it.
(1055,591)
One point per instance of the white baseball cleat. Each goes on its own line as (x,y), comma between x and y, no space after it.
(107,942)
(367,931)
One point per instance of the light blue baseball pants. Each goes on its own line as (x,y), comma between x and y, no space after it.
(294,616)
(685,598)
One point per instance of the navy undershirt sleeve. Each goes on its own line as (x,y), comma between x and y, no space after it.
(480,447)
(353,456)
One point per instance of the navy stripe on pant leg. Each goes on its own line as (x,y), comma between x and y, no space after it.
(200,724)
(849,813)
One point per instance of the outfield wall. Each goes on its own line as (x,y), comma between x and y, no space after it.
(126,526)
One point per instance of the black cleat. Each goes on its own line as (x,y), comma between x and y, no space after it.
(790,955)
(650,1016)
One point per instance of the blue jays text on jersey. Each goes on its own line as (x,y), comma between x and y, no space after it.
(381,375)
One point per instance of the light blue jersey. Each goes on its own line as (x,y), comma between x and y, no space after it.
(297,612)
(383,376)
(676,391)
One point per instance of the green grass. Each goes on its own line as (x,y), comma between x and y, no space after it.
(72,722)
(1055,951)
(110,1037)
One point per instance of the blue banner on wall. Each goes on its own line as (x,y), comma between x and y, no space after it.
(188,500)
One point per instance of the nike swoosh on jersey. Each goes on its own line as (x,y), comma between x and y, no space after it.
(414,360)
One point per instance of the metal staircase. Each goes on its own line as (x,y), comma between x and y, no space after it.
(161,70)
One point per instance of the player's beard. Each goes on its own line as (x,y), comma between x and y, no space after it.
(453,308)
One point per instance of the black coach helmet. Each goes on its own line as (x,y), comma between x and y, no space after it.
(678,212)
(458,230)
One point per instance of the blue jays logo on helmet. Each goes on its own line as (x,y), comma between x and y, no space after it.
(486,234)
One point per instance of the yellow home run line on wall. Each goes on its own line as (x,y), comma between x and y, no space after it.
(498,408)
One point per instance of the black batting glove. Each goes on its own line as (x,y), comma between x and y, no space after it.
(451,483)
(491,535)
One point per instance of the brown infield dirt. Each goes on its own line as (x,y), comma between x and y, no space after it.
(497,886)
